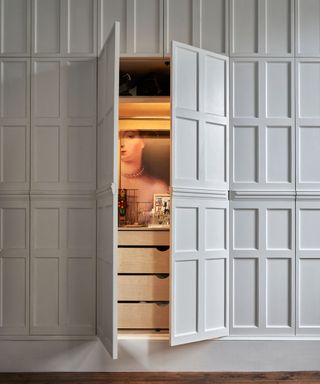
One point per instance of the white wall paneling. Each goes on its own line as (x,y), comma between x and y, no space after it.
(262,28)
(262,138)
(308,124)
(63,265)
(201,23)
(308,266)
(262,267)
(15,28)
(14,265)
(14,125)
(141,24)
(63,126)
(307,28)
(64,28)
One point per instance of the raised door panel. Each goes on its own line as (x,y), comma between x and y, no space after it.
(62,257)
(308,264)
(262,268)
(81,27)
(211,25)
(178,23)
(308,28)
(46,33)
(14,265)
(145,25)
(15,27)
(279,27)
(110,11)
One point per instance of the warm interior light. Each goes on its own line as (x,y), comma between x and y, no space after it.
(140,108)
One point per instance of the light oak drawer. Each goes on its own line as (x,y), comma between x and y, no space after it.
(143,315)
(143,260)
(153,238)
(143,288)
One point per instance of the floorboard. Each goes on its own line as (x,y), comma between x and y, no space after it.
(161,378)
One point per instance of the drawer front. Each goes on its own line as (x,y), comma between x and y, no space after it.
(143,315)
(143,288)
(143,260)
(153,238)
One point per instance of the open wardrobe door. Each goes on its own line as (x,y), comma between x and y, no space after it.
(199,180)
(107,191)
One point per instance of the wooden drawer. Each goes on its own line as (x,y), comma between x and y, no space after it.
(146,237)
(143,260)
(143,315)
(143,288)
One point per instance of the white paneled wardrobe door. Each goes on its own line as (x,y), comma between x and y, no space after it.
(262,268)
(14,125)
(107,196)
(63,265)
(202,23)
(14,265)
(141,26)
(308,124)
(262,119)
(199,178)
(262,27)
(64,28)
(63,125)
(15,27)
(308,266)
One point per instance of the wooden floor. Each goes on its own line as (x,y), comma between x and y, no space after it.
(161,378)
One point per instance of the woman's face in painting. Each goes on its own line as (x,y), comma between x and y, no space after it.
(131,146)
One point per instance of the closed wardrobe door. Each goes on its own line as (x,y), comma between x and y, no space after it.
(199,180)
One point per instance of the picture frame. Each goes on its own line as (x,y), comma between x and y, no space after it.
(161,204)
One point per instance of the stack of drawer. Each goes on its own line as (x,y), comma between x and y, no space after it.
(143,279)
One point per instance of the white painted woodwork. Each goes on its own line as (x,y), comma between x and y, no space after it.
(308,264)
(262,28)
(14,265)
(262,266)
(141,24)
(107,198)
(307,124)
(201,23)
(63,148)
(14,125)
(64,28)
(199,175)
(15,27)
(262,119)
(63,243)
(307,36)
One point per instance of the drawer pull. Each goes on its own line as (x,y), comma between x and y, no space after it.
(163,248)
(162,275)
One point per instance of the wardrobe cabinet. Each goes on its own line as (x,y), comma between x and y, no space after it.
(141,26)
(148,26)
(15,125)
(63,265)
(262,27)
(63,125)
(14,265)
(64,28)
